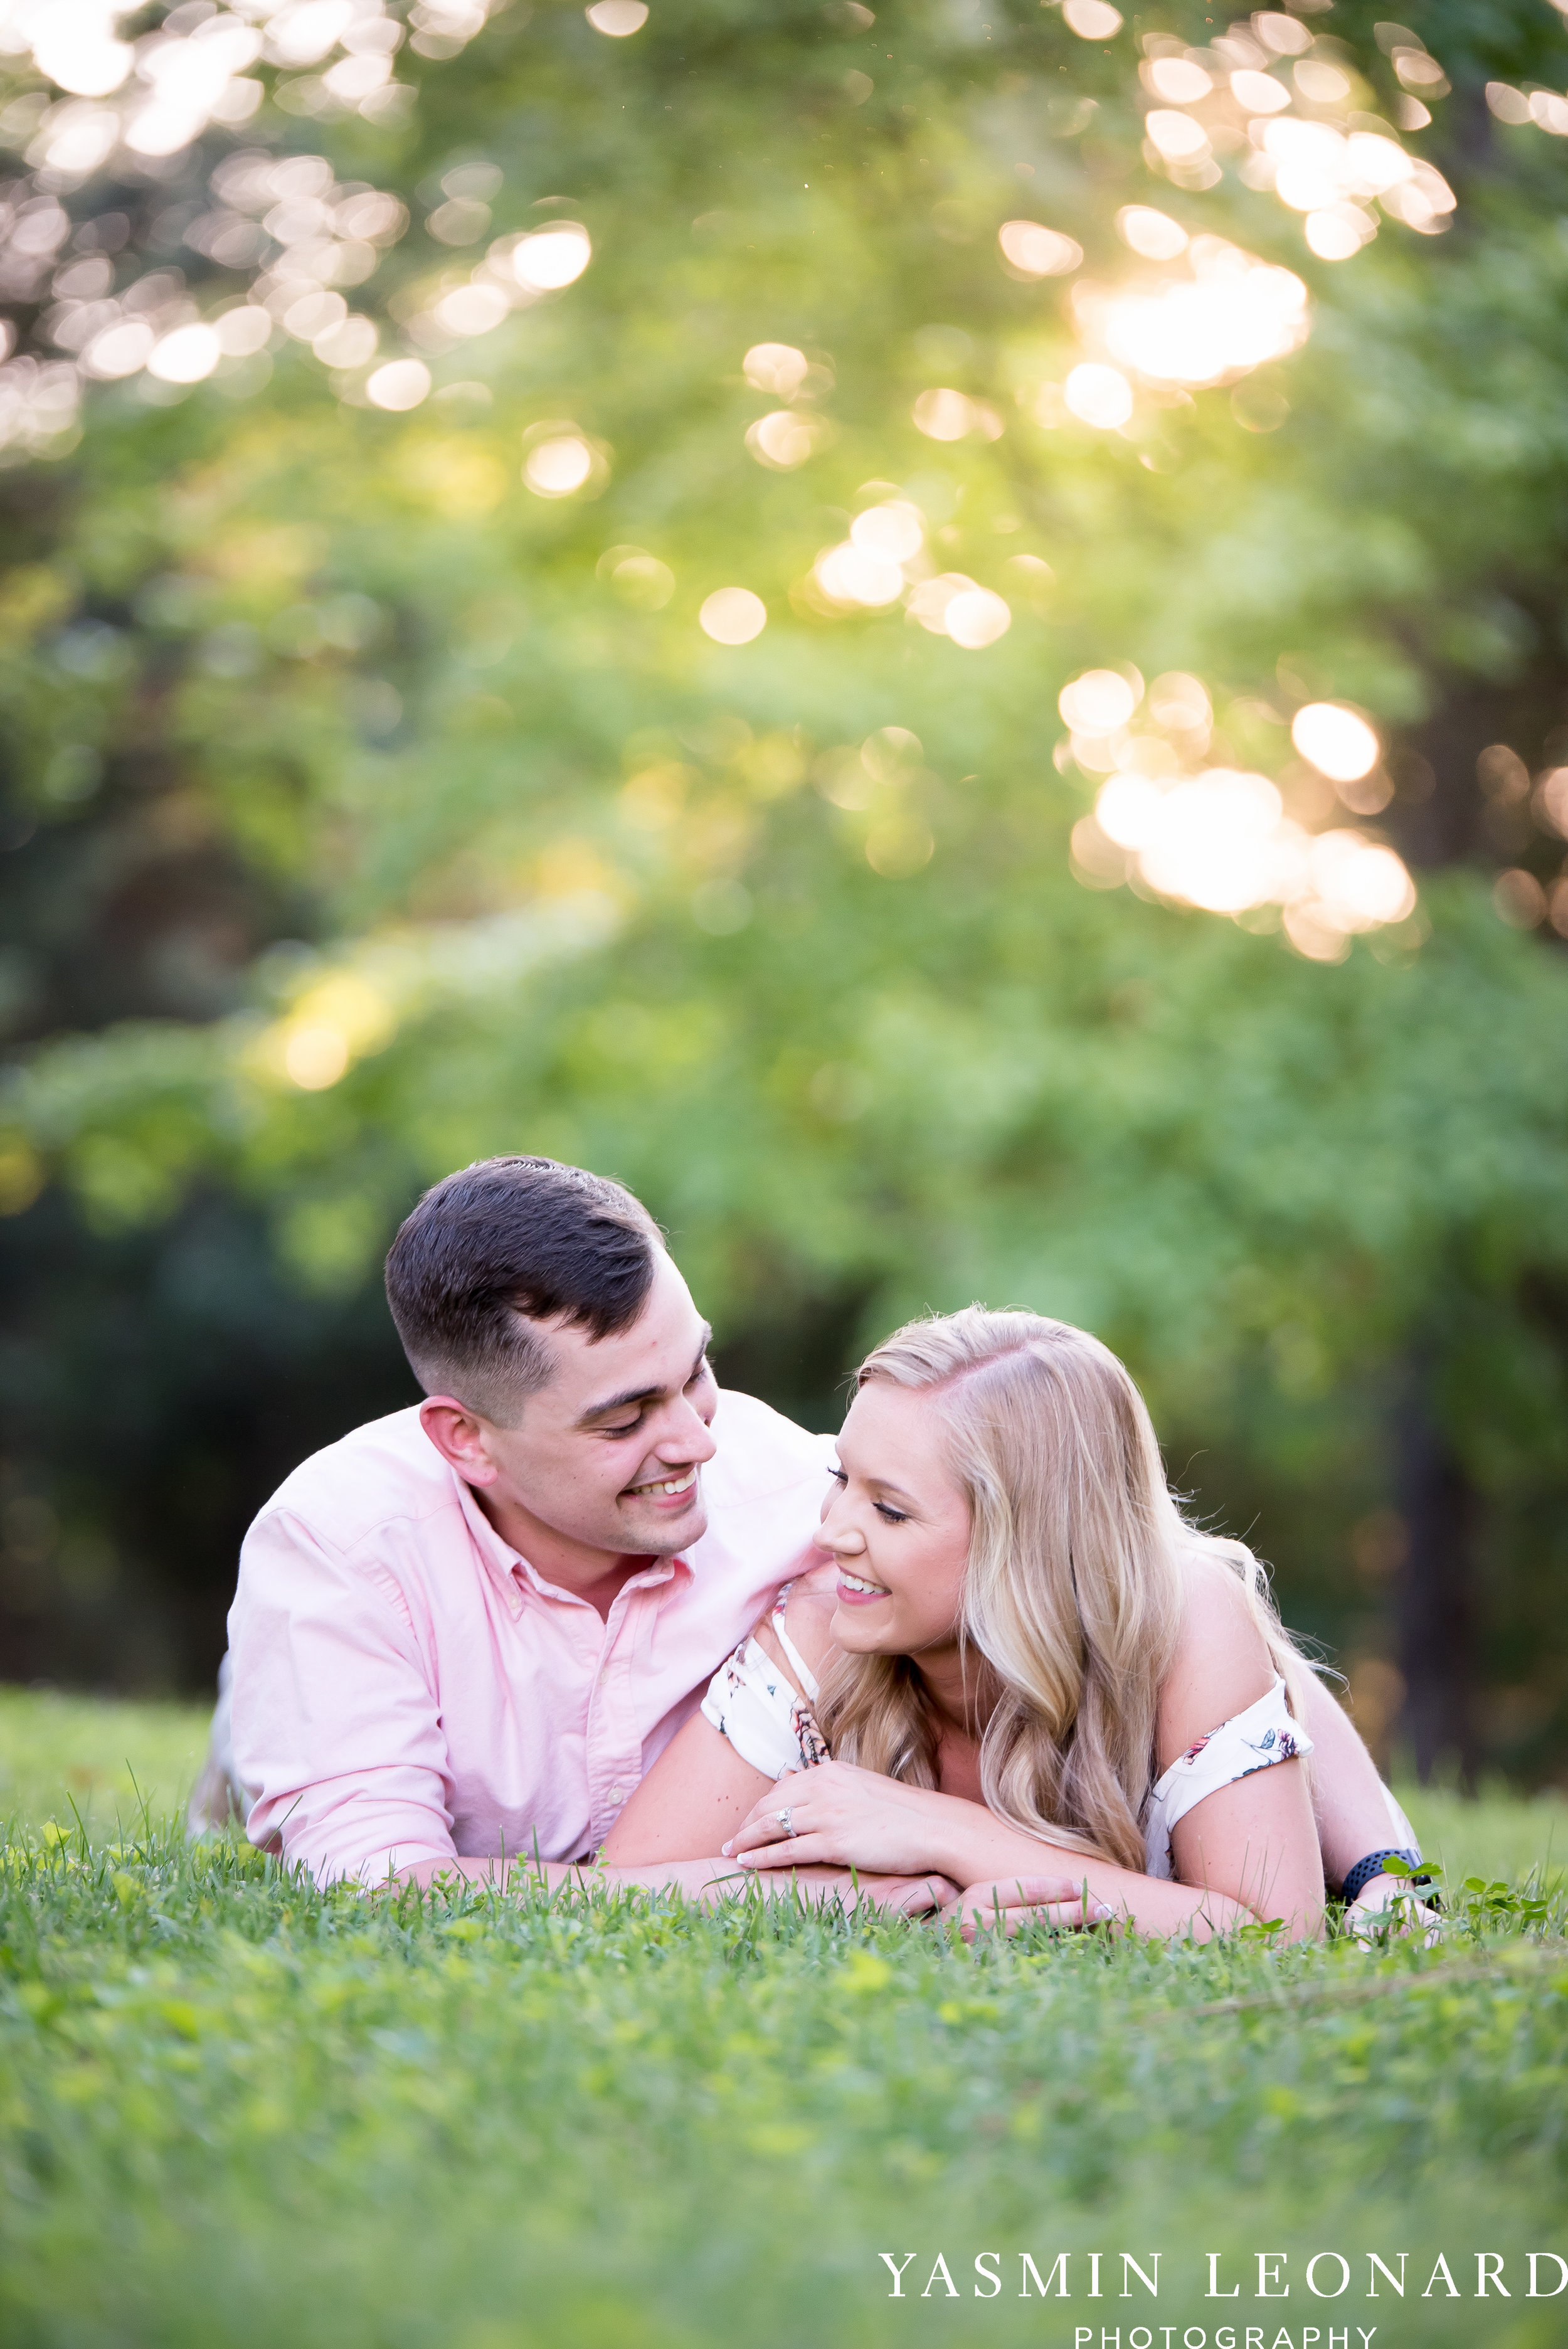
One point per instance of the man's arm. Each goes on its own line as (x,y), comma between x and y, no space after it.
(707,1881)
(336,1723)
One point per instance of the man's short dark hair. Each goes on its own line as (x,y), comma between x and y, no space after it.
(493,1251)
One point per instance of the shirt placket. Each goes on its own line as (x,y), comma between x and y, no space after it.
(614,1717)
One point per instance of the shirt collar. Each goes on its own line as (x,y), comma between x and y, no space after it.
(508,1566)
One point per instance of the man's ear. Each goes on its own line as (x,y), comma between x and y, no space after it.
(458,1435)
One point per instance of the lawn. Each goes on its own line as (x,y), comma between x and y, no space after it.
(235,2110)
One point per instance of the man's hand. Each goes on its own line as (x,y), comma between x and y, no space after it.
(1003,1907)
(839,1815)
(713,1881)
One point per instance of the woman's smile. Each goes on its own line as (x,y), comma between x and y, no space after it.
(854,1591)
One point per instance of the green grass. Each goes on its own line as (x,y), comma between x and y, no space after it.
(65,1756)
(235,2110)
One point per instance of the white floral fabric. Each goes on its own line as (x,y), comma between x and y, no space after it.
(751,1701)
(1265,1733)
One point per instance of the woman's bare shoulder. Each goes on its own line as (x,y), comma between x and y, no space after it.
(1217,1604)
(1222,1662)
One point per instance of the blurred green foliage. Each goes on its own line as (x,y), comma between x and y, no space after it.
(317,723)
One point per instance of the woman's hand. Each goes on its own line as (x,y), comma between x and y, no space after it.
(1003,1905)
(841,1816)
(1387,1910)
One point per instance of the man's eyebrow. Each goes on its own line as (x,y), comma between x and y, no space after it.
(643,1394)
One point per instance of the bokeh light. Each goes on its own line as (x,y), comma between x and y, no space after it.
(1259,93)
(1216,842)
(1176,137)
(1286,36)
(894,532)
(315,1056)
(1177,81)
(1320,83)
(898,845)
(638,577)
(1152,234)
(1518,898)
(851,575)
(1552,799)
(1100,701)
(552,257)
(243,330)
(1091,20)
(1316,167)
(187,356)
(1221,841)
(1338,232)
(785,438)
(776,367)
(954,605)
(400,384)
(1220,838)
(1180,703)
(733,616)
(1235,314)
(976,617)
(336,1022)
(471,310)
(617,18)
(1033,251)
(944,414)
(1100,396)
(120,350)
(558,467)
(74,46)
(1338,743)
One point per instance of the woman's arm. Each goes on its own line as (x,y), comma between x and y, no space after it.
(691,1801)
(1350,1798)
(855,1818)
(700,1790)
(1256,1840)
(1247,1852)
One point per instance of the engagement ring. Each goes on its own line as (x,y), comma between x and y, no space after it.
(786,1819)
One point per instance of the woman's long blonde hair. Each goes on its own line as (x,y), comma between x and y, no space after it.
(1073,1593)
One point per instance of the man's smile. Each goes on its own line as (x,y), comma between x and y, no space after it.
(664,1484)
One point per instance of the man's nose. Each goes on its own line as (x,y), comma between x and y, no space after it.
(689,1439)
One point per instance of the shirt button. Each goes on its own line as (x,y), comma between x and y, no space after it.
(617,1796)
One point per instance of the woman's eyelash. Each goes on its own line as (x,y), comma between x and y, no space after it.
(889,1516)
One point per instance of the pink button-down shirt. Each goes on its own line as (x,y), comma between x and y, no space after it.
(406,1687)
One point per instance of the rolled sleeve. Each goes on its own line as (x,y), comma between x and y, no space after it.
(337,1726)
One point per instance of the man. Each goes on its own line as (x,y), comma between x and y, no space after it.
(466,1630)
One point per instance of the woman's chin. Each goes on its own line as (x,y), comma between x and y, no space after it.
(856,1629)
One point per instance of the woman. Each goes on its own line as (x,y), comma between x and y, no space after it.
(1023,1671)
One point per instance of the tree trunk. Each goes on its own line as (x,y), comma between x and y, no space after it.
(1437,1595)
